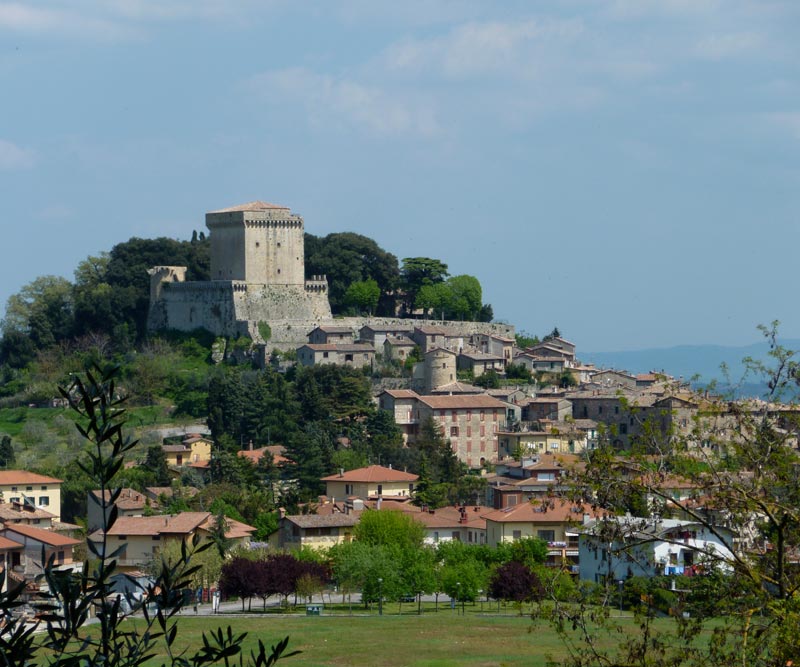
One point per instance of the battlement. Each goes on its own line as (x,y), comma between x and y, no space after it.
(317,284)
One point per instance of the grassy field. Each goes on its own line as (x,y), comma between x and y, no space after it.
(443,639)
(440,640)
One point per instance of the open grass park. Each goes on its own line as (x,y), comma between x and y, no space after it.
(434,639)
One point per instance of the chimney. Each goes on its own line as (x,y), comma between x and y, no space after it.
(390,466)
(341,472)
(251,446)
(378,503)
(281,512)
(586,518)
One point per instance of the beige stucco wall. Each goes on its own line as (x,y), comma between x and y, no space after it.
(51,493)
(342,490)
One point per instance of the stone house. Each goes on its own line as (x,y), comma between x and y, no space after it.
(612,378)
(646,379)
(554,347)
(513,395)
(40,491)
(358,355)
(499,346)
(376,334)
(479,363)
(430,337)
(622,411)
(542,407)
(371,482)
(397,348)
(469,421)
(143,536)
(403,404)
(331,335)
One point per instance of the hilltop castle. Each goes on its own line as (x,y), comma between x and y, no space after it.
(257,275)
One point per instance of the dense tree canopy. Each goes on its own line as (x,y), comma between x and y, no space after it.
(347,258)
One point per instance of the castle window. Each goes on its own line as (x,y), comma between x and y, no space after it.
(279,244)
(258,244)
(279,271)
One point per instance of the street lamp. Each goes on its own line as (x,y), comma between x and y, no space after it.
(620,583)
(458,591)
(380,596)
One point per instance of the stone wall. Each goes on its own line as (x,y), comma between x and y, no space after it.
(230,308)
(290,333)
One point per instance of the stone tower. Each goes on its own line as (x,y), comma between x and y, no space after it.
(439,368)
(257,277)
(258,244)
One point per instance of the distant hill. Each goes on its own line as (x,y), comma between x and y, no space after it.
(687,361)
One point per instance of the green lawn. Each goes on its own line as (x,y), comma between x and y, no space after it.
(432,640)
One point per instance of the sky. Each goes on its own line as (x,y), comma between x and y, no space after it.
(626,170)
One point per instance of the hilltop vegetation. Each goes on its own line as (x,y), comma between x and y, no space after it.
(325,417)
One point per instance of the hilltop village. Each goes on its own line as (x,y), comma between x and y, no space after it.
(511,429)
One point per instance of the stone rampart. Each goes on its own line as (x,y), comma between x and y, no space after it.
(291,333)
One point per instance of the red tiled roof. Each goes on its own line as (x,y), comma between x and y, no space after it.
(44,536)
(174,524)
(6,544)
(25,477)
(559,512)
(401,393)
(129,499)
(465,402)
(372,474)
(255,455)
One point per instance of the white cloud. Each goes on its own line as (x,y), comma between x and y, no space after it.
(722,46)
(24,18)
(478,48)
(119,18)
(328,98)
(13,157)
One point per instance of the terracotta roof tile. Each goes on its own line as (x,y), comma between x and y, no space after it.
(324,520)
(465,402)
(372,474)
(6,544)
(558,512)
(25,477)
(40,535)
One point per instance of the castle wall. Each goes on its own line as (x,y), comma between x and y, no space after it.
(230,308)
(291,333)
(186,306)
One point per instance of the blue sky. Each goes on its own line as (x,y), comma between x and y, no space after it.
(627,170)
